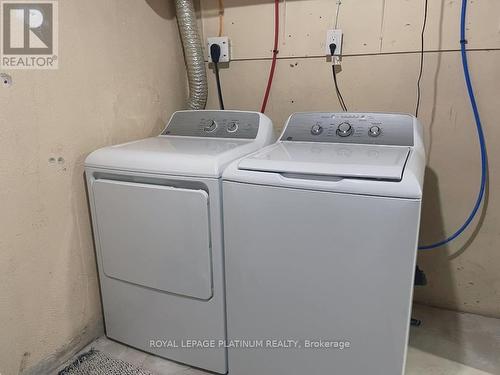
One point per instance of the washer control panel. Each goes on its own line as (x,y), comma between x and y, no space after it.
(361,128)
(214,124)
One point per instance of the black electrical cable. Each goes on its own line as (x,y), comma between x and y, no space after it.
(426,7)
(333,47)
(337,90)
(215,55)
(219,89)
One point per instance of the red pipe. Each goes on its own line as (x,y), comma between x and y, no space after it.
(275,54)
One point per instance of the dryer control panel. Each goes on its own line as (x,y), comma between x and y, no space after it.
(214,124)
(360,128)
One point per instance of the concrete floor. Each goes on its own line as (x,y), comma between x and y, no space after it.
(447,343)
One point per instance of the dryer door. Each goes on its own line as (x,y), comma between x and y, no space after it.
(155,236)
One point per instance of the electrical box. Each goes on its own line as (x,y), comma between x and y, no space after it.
(223,42)
(334,36)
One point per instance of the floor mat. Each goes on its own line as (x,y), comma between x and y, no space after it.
(94,362)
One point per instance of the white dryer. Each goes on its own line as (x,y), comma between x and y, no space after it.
(156,213)
(320,245)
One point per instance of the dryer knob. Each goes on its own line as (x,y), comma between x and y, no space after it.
(344,129)
(232,127)
(210,127)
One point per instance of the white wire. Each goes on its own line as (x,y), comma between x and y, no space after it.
(339,2)
(284,18)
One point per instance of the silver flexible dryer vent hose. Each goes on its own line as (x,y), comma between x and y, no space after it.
(193,53)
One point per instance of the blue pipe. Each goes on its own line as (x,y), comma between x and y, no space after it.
(480,135)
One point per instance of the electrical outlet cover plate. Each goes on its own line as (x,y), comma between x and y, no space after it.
(223,42)
(334,36)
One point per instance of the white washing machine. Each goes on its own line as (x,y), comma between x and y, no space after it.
(320,244)
(156,213)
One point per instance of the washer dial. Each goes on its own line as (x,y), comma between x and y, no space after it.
(374,131)
(316,129)
(344,129)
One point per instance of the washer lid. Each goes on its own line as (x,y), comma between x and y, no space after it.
(335,160)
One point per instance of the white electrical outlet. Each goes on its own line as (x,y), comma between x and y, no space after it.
(223,42)
(334,36)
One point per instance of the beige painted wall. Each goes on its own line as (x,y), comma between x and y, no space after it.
(379,73)
(121,75)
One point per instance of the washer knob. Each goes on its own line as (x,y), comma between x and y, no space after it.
(210,127)
(232,127)
(316,129)
(374,131)
(344,129)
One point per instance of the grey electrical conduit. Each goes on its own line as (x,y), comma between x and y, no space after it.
(193,54)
